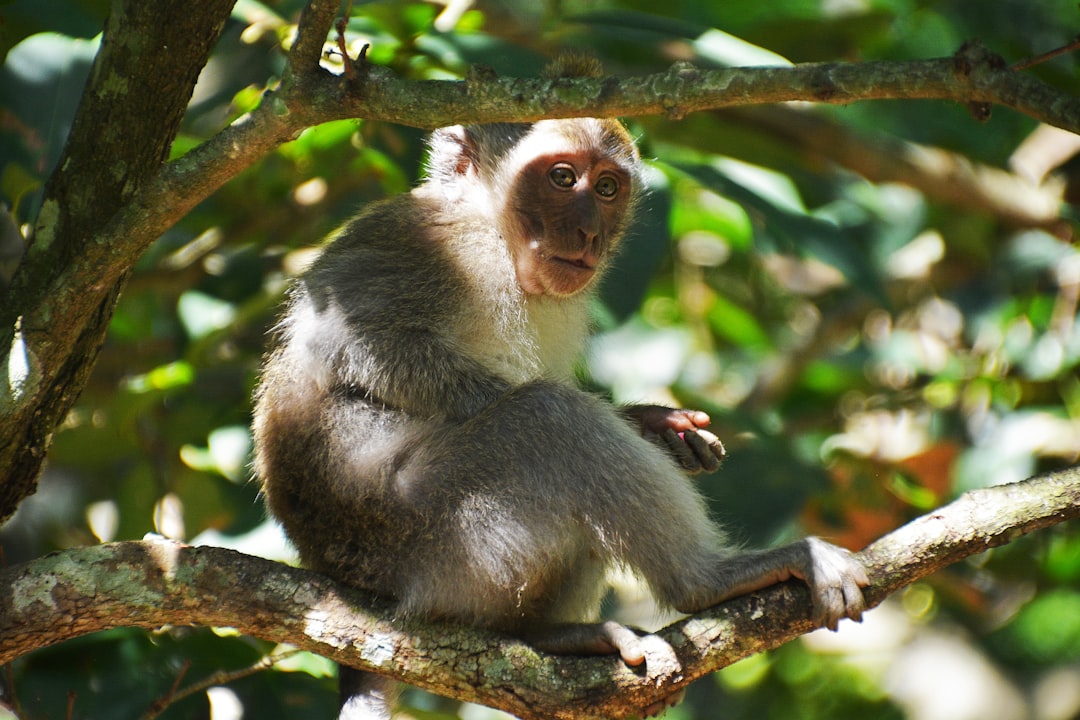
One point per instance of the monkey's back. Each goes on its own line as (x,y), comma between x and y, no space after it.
(389,339)
(326,445)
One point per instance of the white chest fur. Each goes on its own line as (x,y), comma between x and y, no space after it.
(530,338)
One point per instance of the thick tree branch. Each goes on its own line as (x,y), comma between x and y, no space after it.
(314,96)
(62,297)
(973,75)
(149,584)
(54,315)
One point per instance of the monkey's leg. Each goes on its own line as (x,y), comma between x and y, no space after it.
(530,500)
(834,576)
(548,476)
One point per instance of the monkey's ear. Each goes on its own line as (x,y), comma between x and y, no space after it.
(453,154)
(574,65)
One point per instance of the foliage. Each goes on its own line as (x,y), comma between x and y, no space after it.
(866,349)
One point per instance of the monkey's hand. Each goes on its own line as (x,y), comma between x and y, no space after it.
(681,433)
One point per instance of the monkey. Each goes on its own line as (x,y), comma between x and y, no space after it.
(420,435)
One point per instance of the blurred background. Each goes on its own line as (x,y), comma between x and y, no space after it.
(876,303)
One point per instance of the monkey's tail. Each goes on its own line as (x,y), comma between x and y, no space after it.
(364,695)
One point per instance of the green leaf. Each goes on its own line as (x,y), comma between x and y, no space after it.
(228,453)
(1048,628)
(164,377)
(15,183)
(736,325)
(725,49)
(305,662)
(202,314)
(785,227)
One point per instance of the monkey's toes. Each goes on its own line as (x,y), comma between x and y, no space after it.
(592,639)
(836,583)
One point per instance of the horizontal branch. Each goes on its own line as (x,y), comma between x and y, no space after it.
(312,96)
(154,583)
(973,75)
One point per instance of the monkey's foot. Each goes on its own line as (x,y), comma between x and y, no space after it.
(608,638)
(836,580)
(603,638)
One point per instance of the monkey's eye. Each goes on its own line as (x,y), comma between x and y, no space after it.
(606,187)
(562,176)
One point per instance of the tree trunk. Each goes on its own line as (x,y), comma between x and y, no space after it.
(55,313)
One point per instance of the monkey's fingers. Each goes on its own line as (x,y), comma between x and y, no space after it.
(707,448)
(694,450)
(673,442)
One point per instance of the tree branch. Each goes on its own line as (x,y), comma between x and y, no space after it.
(972,75)
(153,583)
(315,96)
(54,315)
(46,360)
(315,21)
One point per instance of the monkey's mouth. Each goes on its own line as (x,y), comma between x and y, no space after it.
(581,261)
(567,274)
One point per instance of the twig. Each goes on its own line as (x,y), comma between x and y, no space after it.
(222,677)
(159,705)
(342,50)
(349,63)
(1033,61)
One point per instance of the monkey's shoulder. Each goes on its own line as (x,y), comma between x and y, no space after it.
(390,252)
(386,230)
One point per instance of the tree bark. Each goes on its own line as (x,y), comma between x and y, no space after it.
(54,315)
(153,583)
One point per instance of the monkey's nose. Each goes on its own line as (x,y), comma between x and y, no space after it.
(587,238)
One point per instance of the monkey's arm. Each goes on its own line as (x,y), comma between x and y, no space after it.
(681,433)
(419,372)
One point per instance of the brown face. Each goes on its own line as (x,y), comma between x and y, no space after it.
(565,212)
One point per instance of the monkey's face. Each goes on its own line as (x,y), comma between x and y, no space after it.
(565,212)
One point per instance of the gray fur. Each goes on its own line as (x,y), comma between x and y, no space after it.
(419,435)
